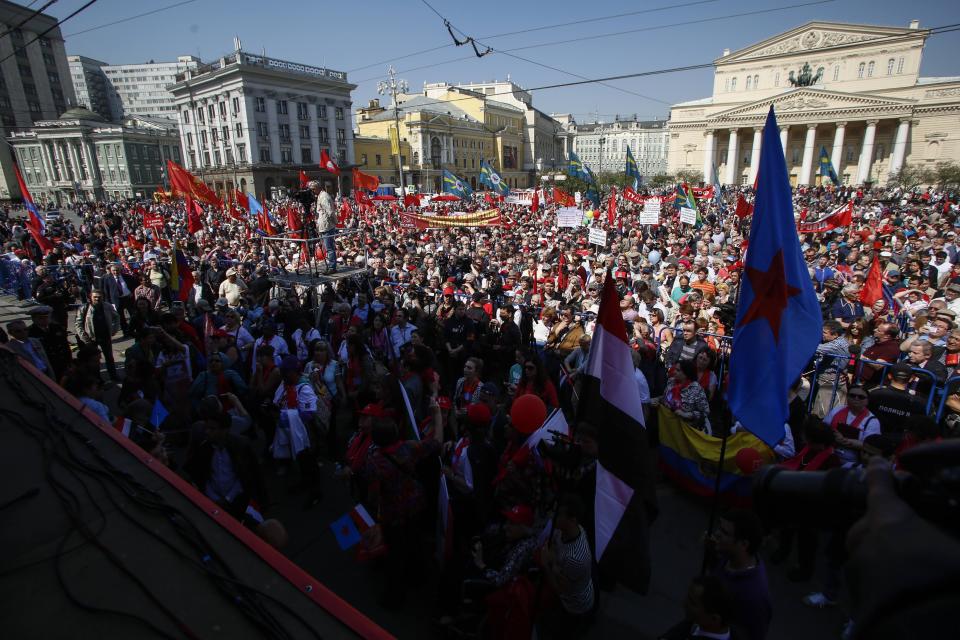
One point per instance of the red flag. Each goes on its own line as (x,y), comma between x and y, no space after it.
(136,244)
(563,198)
(744,208)
(488,198)
(327,163)
(411,200)
(263,220)
(293,220)
(612,206)
(363,180)
(242,200)
(304,180)
(185,184)
(361,198)
(873,286)
(842,216)
(535,202)
(194,216)
(562,278)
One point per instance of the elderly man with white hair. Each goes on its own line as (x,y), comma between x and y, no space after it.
(847,308)
(325,212)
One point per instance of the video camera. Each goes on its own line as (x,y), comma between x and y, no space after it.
(304,196)
(566,455)
(828,499)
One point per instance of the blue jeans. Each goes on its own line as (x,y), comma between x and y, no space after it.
(330,246)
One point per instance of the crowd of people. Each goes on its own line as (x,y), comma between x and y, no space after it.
(407,372)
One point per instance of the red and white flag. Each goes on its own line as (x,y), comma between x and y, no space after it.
(624,482)
(326,162)
(842,216)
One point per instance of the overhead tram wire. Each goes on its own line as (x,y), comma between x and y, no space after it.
(128,19)
(541,28)
(617,33)
(490,49)
(28,18)
(705,65)
(82,8)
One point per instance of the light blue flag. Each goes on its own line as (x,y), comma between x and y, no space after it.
(453,185)
(492,179)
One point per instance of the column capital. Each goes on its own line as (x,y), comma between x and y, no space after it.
(812,126)
(758,129)
(873,122)
(784,127)
(907,119)
(840,125)
(709,132)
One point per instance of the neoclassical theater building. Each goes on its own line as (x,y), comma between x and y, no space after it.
(853,89)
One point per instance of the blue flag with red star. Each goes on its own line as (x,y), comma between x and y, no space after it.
(778,323)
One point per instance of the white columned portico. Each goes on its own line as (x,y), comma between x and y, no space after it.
(708,151)
(807,164)
(784,135)
(900,146)
(755,153)
(866,152)
(732,158)
(836,157)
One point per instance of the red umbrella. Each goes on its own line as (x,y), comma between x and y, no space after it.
(384,197)
(446,197)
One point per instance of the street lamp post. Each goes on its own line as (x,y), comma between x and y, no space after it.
(393,87)
(600,168)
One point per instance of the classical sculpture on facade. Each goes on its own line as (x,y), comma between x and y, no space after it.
(806,77)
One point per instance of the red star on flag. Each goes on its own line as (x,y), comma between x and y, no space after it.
(771,294)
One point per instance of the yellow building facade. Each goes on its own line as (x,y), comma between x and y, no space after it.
(448,127)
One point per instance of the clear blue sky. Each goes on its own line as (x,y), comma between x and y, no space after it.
(349,36)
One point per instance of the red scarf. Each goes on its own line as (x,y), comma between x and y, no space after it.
(223,388)
(851,430)
(796,463)
(675,393)
(291,392)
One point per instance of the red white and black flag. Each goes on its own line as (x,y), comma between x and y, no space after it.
(624,495)
(842,216)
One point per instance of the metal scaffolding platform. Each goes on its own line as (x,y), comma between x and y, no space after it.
(314,278)
(312,274)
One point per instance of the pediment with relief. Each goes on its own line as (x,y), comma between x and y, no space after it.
(813,36)
(810,100)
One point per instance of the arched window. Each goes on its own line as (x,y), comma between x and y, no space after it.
(749,82)
(900,65)
(836,73)
(776,79)
(726,85)
(733,84)
(860,69)
(756,81)
(890,67)
(416,157)
(870,69)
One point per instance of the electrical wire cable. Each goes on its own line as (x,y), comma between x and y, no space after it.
(83,7)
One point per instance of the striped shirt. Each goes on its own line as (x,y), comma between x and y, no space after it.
(574,561)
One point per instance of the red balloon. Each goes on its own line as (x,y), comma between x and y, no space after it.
(748,461)
(528,413)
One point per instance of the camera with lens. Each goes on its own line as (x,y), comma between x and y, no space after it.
(304,196)
(927,478)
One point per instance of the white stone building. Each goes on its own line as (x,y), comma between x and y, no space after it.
(118,90)
(853,89)
(81,156)
(252,122)
(602,146)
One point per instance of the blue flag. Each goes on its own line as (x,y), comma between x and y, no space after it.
(593,196)
(826,167)
(632,170)
(778,317)
(492,179)
(577,169)
(345,531)
(158,414)
(452,184)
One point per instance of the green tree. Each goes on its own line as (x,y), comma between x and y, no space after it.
(690,176)
(911,176)
(659,180)
(946,175)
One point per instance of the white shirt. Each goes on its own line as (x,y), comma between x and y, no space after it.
(400,336)
(279,350)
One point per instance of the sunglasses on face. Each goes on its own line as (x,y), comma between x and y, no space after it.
(857,396)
